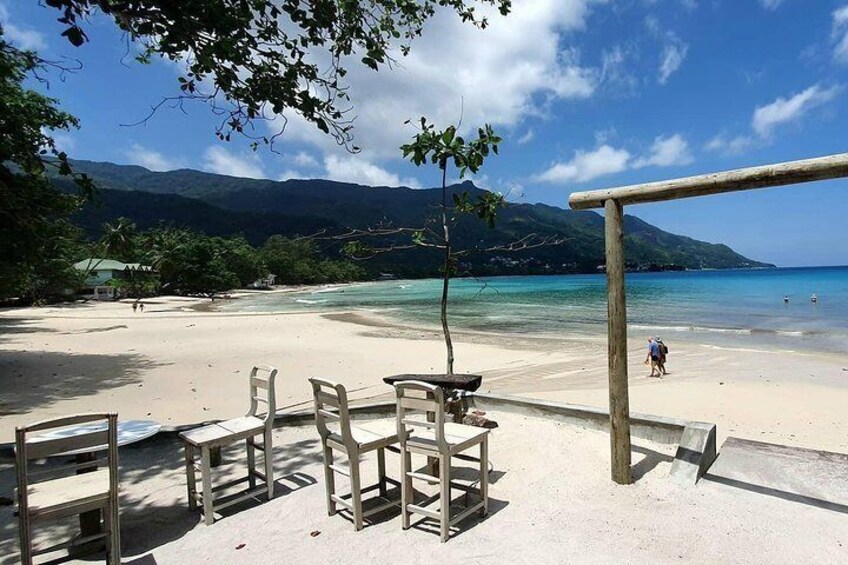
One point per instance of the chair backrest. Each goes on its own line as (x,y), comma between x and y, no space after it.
(331,408)
(416,398)
(262,378)
(71,435)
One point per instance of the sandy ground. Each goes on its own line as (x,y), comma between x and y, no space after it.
(177,365)
(550,502)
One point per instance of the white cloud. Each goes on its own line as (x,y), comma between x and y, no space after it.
(674,49)
(666,152)
(304,159)
(526,138)
(840,34)
(291,174)
(673,54)
(587,165)
(785,110)
(500,75)
(356,169)
(150,159)
(26,39)
(64,141)
(771,4)
(726,145)
(246,165)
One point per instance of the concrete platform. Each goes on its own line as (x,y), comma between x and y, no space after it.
(806,476)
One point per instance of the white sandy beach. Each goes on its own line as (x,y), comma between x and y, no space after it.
(179,366)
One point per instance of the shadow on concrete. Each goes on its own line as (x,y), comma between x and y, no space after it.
(33,379)
(777,493)
(153,503)
(648,463)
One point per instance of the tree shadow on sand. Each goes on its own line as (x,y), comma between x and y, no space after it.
(153,502)
(32,379)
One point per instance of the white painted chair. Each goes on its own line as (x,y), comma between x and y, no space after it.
(353,441)
(435,438)
(62,494)
(209,439)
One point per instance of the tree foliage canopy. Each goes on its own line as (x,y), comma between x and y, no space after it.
(253,59)
(33,230)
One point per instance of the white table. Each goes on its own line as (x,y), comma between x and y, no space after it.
(129,431)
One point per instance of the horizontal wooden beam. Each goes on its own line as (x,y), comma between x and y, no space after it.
(780,174)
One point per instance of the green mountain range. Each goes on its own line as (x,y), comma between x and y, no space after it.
(224,205)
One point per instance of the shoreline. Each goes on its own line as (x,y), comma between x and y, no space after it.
(178,365)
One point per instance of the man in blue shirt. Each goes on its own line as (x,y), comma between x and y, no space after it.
(654,354)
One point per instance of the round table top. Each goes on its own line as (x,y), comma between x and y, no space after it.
(129,431)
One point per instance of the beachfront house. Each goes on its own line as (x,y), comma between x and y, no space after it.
(100,271)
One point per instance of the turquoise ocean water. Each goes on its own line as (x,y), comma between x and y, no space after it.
(742,308)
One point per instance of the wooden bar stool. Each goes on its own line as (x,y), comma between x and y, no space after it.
(353,441)
(439,439)
(214,436)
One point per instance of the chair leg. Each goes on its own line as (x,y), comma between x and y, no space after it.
(405,486)
(191,477)
(251,463)
(329,479)
(355,489)
(206,476)
(381,471)
(25,531)
(444,496)
(115,532)
(484,475)
(269,463)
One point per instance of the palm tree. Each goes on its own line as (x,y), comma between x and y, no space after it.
(119,239)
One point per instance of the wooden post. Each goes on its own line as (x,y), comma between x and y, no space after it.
(619,405)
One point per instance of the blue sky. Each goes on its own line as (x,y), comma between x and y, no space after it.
(587,94)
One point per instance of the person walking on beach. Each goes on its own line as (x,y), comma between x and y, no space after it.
(653,357)
(141,307)
(135,306)
(663,353)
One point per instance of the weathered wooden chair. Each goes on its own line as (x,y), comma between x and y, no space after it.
(62,494)
(353,441)
(441,440)
(209,439)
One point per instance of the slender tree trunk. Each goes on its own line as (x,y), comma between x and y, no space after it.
(446,277)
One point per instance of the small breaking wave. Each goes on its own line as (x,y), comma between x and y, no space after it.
(307,301)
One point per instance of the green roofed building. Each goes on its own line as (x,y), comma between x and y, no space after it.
(101,271)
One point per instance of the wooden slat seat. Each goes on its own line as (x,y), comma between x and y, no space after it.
(353,441)
(374,435)
(223,433)
(69,495)
(245,428)
(458,438)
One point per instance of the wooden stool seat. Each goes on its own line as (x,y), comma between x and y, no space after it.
(224,433)
(69,495)
(458,438)
(214,436)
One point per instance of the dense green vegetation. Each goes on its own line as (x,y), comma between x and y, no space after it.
(222,205)
(189,262)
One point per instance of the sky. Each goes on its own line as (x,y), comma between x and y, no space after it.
(587,94)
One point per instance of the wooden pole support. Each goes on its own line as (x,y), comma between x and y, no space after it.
(617,344)
(779,174)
